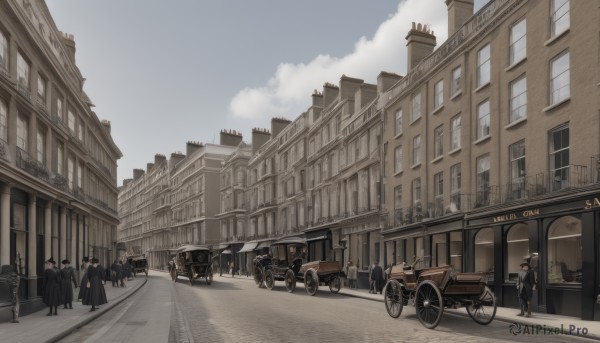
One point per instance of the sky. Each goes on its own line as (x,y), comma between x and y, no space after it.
(167,72)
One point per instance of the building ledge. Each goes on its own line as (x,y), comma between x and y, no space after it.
(437,159)
(515,123)
(459,93)
(481,87)
(515,64)
(553,106)
(452,152)
(556,37)
(481,140)
(438,109)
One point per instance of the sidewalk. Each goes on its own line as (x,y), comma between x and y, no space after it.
(535,324)
(37,327)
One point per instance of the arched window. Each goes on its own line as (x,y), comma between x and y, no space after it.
(564,251)
(517,249)
(484,250)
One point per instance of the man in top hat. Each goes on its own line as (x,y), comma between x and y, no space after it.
(51,286)
(67,274)
(525,285)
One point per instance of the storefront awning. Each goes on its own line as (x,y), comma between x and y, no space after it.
(317,238)
(226,252)
(249,246)
(262,245)
(318,235)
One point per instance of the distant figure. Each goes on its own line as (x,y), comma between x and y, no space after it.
(127,269)
(116,274)
(352,275)
(96,295)
(67,274)
(173,270)
(7,273)
(51,286)
(85,263)
(375,278)
(525,286)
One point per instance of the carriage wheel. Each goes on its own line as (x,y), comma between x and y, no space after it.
(311,282)
(429,304)
(290,281)
(209,276)
(335,284)
(269,279)
(146,272)
(258,276)
(393,298)
(483,309)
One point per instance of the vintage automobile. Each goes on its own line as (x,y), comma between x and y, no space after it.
(194,262)
(139,264)
(286,262)
(433,289)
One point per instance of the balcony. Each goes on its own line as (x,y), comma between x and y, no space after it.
(32,166)
(24,91)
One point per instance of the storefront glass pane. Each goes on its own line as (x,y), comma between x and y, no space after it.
(456,250)
(400,251)
(517,249)
(438,250)
(420,253)
(564,251)
(484,250)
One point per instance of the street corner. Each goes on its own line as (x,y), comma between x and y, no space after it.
(523,329)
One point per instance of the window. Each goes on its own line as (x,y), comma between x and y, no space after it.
(438,193)
(455,187)
(79,176)
(416,107)
(517,170)
(456,250)
(59,158)
(71,121)
(80,131)
(564,251)
(560,79)
(398,159)
(517,247)
(560,16)
(398,122)
(483,120)
(438,97)
(416,191)
(41,91)
(483,66)
(59,109)
(3,120)
(559,158)
(416,150)
(483,181)
(518,99)
(41,147)
(456,80)
(22,72)
(484,250)
(70,171)
(22,132)
(374,138)
(518,42)
(438,250)
(398,205)
(455,133)
(364,146)
(438,141)
(3,52)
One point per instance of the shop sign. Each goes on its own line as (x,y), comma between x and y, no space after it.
(516,215)
(592,203)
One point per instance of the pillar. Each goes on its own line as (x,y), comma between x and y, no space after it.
(32,246)
(48,230)
(73,255)
(5,224)
(63,233)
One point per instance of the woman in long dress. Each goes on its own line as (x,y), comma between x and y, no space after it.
(95,294)
(67,275)
(51,287)
(85,263)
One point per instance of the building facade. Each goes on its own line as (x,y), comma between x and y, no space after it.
(59,163)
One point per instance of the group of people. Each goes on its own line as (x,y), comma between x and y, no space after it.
(58,285)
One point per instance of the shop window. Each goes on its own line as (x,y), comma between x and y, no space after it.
(438,250)
(410,251)
(456,250)
(484,251)
(517,249)
(420,253)
(564,251)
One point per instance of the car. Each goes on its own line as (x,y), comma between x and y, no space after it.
(139,264)
(195,262)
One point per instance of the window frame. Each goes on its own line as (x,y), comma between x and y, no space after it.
(552,78)
(438,94)
(553,11)
(398,156)
(455,132)
(416,150)
(515,41)
(438,141)
(481,64)
(513,98)
(456,87)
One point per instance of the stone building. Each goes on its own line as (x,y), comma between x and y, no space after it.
(58,181)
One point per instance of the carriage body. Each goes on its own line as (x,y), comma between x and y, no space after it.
(195,262)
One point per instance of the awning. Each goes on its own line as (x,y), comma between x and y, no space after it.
(318,235)
(263,245)
(248,247)
(317,238)
(226,252)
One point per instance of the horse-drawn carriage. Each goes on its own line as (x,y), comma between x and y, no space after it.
(194,262)
(139,264)
(286,262)
(431,290)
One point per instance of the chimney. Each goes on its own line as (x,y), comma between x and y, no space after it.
(459,11)
(364,95)
(176,157)
(106,125)
(420,43)
(149,166)
(138,173)
(126,182)
(230,138)
(330,93)
(386,80)
(349,86)
(317,99)
(159,158)
(191,147)
(277,125)
(259,138)
(69,41)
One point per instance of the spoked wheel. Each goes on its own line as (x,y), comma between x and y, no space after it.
(209,277)
(335,284)
(393,298)
(483,309)
(269,279)
(429,304)
(311,282)
(146,272)
(290,281)
(258,276)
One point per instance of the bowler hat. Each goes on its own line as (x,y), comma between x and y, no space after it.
(94,260)
(524,263)
(51,260)
(65,261)
(86,259)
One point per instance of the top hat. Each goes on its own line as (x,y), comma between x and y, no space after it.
(524,263)
(65,261)
(94,260)
(51,260)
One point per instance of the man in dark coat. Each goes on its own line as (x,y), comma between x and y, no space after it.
(117,270)
(525,286)
(127,269)
(376,278)
(67,275)
(95,295)
(85,263)
(51,286)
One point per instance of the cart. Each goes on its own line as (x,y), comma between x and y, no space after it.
(195,262)
(139,264)
(431,290)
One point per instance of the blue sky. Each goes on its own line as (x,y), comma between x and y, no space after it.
(165,72)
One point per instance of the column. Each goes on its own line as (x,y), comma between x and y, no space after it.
(32,246)
(80,245)
(5,224)
(73,255)
(63,233)
(48,230)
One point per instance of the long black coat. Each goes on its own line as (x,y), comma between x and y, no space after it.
(67,275)
(525,283)
(51,287)
(84,280)
(95,295)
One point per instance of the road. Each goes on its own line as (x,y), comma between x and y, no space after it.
(235,310)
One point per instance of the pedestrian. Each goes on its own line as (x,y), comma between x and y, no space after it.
(96,295)
(375,278)
(85,263)
(525,287)
(51,286)
(8,274)
(67,274)
(113,273)
(173,270)
(119,272)
(352,275)
(232,266)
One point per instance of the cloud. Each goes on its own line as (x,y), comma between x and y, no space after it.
(288,91)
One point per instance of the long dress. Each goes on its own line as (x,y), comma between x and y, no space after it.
(95,295)
(51,287)
(84,280)
(67,275)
